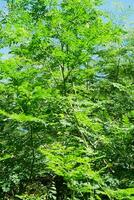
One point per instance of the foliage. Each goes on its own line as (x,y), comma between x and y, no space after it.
(66,103)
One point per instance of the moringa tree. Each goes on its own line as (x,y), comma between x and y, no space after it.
(66,104)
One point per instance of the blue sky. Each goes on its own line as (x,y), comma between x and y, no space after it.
(121,11)
(2,3)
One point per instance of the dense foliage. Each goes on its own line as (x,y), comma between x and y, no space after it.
(66,103)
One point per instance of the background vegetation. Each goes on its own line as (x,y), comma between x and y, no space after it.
(66,103)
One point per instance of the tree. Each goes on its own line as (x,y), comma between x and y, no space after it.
(66,103)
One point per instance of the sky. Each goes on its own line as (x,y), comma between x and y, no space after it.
(2,4)
(122,11)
